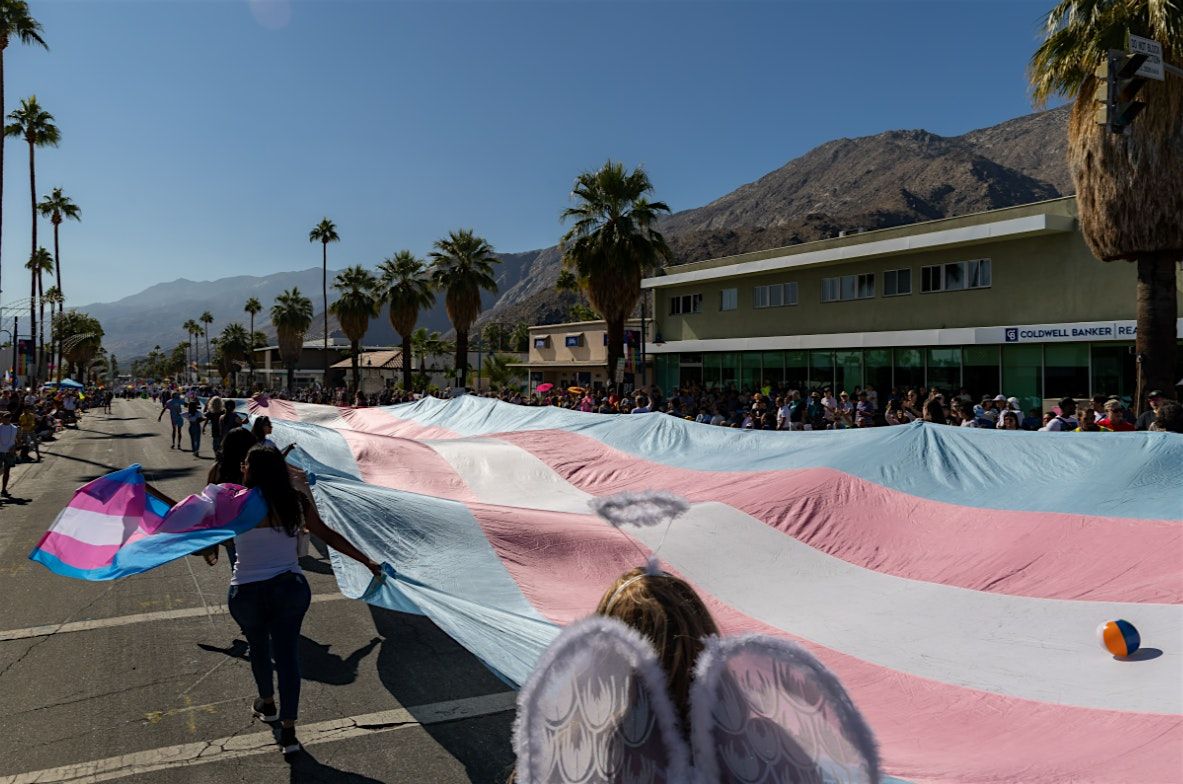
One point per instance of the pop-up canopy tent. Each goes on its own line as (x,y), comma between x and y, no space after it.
(70,383)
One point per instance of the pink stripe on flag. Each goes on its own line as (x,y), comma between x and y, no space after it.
(377,422)
(930,732)
(107,496)
(78,554)
(1081,556)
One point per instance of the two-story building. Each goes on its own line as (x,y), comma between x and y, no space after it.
(576,354)
(1007,301)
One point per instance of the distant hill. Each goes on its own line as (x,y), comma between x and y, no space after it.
(889,179)
(892,178)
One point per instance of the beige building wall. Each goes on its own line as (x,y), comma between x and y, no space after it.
(1044,279)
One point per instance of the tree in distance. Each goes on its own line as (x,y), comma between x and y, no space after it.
(612,244)
(406,285)
(462,267)
(291,315)
(354,309)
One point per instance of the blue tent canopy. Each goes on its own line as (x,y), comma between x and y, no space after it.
(70,383)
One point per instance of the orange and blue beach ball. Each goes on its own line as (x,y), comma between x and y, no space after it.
(1119,637)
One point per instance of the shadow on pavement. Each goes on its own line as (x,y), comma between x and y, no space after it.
(306,769)
(310,564)
(317,663)
(419,664)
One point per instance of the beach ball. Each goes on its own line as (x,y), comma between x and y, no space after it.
(1119,637)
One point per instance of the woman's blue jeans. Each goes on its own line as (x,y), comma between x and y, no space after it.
(270,613)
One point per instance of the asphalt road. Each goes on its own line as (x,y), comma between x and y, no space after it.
(145,679)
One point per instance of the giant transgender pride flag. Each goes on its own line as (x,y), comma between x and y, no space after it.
(952,578)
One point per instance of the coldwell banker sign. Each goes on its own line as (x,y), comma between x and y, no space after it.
(1070,333)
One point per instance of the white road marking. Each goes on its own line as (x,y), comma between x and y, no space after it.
(127,620)
(238,746)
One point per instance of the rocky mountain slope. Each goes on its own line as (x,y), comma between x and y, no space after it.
(892,178)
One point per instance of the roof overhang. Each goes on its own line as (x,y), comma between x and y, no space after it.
(1010,229)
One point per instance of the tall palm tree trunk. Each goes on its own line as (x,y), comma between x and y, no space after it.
(291,376)
(354,348)
(1157,313)
(41,313)
(209,361)
(615,329)
(35,374)
(57,276)
(462,356)
(324,295)
(406,359)
(250,352)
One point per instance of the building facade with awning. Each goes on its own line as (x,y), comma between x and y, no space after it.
(575,354)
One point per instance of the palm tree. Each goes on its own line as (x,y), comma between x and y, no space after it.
(1127,185)
(15,22)
(501,375)
(252,307)
(324,233)
(462,266)
(193,329)
(233,344)
(35,125)
(291,316)
(520,337)
(406,285)
(613,244)
(58,206)
(40,264)
(354,309)
(206,319)
(53,296)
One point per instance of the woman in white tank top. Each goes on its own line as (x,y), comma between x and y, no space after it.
(268,593)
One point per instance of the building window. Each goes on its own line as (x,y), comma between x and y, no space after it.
(729,299)
(848,287)
(687,303)
(775,295)
(543,342)
(573,341)
(956,276)
(897,282)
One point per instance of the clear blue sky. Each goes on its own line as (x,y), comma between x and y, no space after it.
(203,139)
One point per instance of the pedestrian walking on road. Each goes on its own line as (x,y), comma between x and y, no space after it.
(8,433)
(214,410)
(269,594)
(173,406)
(196,424)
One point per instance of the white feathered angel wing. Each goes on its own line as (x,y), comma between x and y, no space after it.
(596,711)
(764,711)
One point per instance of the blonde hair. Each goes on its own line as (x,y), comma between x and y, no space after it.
(215,404)
(667,611)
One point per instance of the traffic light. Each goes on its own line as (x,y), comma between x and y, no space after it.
(1117,85)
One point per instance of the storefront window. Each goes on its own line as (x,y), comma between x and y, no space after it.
(980,370)
(1066,370)
(727,368)
(749,372)
(877,370)
(848,370)
(710,370)
(821,369)
(1022,375)
(665,370)
(774,368)
(1114,369)
(909,368)
(944,369)
(797,370)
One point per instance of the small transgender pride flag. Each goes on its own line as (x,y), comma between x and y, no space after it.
(113,528)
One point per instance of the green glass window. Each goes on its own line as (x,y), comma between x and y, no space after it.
(774,367)
(908,368)
(710,371)
(1022,375)
(749,371)
(665,368)
(1066,370)
(821,369)
(848,370)
(980,373)
(944,368)
(1114,369)
(877,371)
(728,365)
(797,370)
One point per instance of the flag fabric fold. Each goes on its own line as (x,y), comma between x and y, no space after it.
(112,527)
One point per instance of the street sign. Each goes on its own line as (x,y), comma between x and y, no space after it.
(1152,68)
